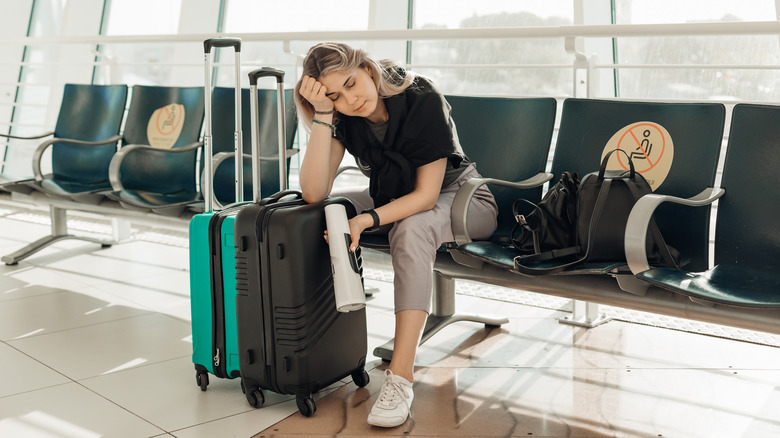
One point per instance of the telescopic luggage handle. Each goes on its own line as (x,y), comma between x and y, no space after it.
(262,72)
(254,75)
(221,42)
(207,188)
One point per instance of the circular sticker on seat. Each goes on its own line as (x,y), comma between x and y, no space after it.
(165,126)
(650,147)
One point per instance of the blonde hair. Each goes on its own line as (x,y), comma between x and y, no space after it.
(328,57)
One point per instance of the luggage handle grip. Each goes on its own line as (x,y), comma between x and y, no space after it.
(221,42)
(278,195)
(262,72)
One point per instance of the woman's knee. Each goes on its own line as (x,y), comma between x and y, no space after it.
(414,229)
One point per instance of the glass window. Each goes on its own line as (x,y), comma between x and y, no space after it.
(496,65)
(295,15)
(47,68)
(676,11)
(143,17)
(10,27)
(723,79)
(148,63)
(252,16)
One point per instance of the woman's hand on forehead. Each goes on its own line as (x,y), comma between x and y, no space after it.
(315,92)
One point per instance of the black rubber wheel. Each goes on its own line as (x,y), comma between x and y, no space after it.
(306,406)
(361,378)
(255,398)
(202,379)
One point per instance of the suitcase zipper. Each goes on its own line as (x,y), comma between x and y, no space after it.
(217,302)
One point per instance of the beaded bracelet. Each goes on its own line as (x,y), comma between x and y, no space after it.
(325,112)
(332,127)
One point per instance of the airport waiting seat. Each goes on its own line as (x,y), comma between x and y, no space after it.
(223,133)
(589,127)
(156,168)
(747,231)
(83,142)
(509,139)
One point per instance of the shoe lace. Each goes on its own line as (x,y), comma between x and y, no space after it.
(393,392)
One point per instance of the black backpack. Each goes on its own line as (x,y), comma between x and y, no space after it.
(551,224)
(604,200)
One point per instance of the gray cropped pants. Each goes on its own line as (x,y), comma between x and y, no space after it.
(415,239)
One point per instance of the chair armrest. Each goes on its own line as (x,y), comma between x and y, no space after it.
(343,169)
(287,154)
(116,161)
(216,160)
(38,154)
(639,220)
(23,137)
(219,157)
(460,205)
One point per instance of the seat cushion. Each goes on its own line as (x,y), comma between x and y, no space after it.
(503,256)
(149,200)
(65,188)
(729,284)
(21,186)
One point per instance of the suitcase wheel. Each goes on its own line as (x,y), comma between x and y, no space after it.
(306,406)
(202,379)
(255,398)
(360,377)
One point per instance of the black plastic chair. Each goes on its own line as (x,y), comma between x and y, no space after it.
(587,127)
(82,144)
(223,132)
(156,169)
(747,235)
(696,130)
(509,139)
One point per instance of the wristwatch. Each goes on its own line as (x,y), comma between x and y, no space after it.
(376,219)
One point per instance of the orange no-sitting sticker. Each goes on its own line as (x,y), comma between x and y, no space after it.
(650,147)
(165,126)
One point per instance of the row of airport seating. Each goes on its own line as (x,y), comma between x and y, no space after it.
(511,141)
(152,168)
(733,281)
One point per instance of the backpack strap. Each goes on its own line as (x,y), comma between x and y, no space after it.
(522,224)
(520,261)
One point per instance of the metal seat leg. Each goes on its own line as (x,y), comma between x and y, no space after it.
(59,231)
(442,315)
(585,314)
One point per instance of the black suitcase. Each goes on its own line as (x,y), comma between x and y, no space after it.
(291,338)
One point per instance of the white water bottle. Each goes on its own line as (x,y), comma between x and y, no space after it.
(347,278)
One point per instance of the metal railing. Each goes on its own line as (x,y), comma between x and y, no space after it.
(585,68)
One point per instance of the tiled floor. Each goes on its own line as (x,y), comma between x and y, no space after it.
(96,342)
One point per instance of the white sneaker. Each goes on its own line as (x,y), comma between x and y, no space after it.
(394,403)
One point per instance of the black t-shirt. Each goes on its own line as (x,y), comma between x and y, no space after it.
(419,131)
